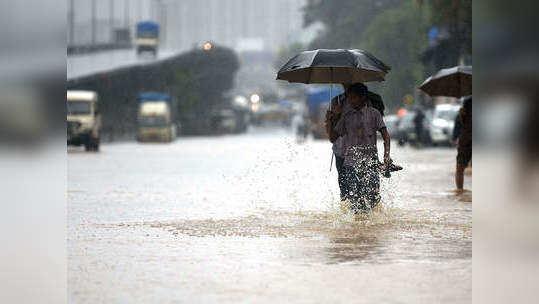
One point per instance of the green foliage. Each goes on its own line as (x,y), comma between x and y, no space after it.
(183,90)
(456,15)
(345,20)
(397,37)
(394,31)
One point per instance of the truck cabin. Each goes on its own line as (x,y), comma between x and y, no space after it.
(81,103)
(154,110)
(154,114)
(147,30)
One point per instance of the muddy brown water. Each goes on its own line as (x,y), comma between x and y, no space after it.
(255,218)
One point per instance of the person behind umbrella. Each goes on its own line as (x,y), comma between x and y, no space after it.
(358,125)
(338,104)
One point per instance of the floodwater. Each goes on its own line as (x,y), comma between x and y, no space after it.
(256,218)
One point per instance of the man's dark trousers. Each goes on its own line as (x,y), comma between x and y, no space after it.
(339,162)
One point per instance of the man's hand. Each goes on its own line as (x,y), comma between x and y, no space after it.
(337,110)
(387,160)
(387,146)
(329,115)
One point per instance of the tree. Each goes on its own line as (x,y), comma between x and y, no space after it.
(396,37)
(344,20)
(457,16)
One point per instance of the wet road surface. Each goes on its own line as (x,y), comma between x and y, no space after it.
(256,218)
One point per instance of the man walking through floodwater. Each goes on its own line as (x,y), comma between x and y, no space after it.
(357,125)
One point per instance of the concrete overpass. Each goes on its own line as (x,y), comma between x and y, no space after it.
(95,63)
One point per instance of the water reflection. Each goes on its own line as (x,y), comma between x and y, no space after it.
(353,249)
(334,237)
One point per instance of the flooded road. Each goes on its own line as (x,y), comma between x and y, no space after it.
(256,218)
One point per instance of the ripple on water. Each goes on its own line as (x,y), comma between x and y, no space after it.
(336,221)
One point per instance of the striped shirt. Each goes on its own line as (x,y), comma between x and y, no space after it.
(338,145)
(357,129)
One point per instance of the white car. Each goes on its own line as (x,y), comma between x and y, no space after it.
(443,123)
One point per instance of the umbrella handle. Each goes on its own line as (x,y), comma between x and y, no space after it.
(330,95)
(331,87)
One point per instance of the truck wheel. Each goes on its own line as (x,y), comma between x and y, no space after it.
(96,144)
(92,144)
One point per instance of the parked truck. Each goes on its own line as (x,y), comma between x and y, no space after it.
(155,118)
(147,37)
(83,119)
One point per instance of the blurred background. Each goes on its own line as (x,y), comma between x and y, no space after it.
(218,60)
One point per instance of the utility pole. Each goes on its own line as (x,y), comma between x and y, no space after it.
(94,23)
(71,22)
(163,18)
(126,13)
(159,15)
(139,11)
(111,20)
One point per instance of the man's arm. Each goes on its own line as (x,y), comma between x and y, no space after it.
(330,125)
(456,130)
(332,117)
(387,145)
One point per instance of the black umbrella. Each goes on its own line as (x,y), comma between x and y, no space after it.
(453,82)
(333,66)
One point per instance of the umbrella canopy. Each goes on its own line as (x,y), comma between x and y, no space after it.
(333,66)
(453,82)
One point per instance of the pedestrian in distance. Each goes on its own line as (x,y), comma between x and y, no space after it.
(464,144)
(418,126)
(357,126)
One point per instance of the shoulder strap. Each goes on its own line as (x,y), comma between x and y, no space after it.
(340,99)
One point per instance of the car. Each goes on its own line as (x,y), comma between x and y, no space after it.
(391,122)
(226,121)
(442,123)
(406,132)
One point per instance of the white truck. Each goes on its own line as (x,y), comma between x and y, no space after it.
(155,118)
(83,119)
(147,39)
